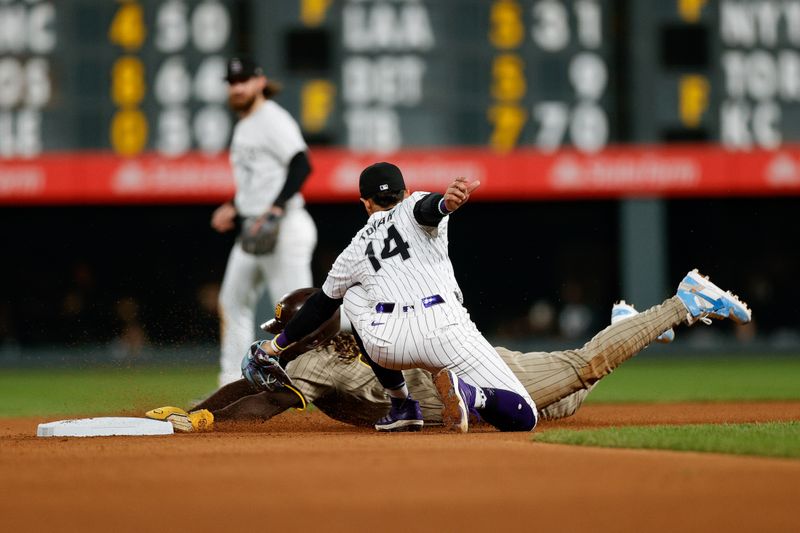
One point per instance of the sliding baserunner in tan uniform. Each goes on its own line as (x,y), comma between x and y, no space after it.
(332,378)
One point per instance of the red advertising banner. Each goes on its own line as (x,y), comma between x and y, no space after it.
(617,172)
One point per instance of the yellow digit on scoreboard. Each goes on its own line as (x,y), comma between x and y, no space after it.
(127,81)
(693,98)
(128,29)
(128,132)
(508,120)
(506,30)
(508,78)
(316,104)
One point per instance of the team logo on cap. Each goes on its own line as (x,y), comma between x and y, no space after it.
(383,186)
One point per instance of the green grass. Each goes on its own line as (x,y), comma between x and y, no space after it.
(46,392)
(95,391)
(718,379)
(772,439)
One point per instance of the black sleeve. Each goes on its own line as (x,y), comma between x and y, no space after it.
(426,211)
(299,170)
(317,309)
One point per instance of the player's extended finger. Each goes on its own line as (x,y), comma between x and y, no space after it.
(472,186)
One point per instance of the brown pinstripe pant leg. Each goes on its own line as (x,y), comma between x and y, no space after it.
(559,381)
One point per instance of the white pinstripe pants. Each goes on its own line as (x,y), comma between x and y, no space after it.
(440,336)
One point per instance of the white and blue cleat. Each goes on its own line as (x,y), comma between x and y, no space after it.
(704,301)
(622,310)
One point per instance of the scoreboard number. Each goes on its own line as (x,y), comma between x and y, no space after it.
(127,28)
(128,132)
(575,33)
(127,81)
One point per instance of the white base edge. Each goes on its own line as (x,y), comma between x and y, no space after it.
(103,427)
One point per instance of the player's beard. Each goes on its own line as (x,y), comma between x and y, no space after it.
(241,104)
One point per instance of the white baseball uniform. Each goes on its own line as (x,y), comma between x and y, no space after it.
(263,144)
(402,297)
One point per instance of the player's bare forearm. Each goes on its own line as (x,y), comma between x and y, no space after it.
(458,193)
(261,406)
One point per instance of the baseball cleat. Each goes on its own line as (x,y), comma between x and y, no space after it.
(455,396)
(622,310)
(704,300)
(174,415)
(183,422)
(407,416)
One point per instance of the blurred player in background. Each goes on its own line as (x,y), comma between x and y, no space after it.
(277,235)
(327,370)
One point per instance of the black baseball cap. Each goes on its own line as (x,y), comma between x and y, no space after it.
(380,178)
(242,69)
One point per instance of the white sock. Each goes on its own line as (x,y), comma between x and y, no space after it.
(401,392)
(480,398)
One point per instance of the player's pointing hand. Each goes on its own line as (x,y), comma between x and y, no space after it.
(458,192)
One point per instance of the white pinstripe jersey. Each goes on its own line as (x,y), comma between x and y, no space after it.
(263,144)
(395,259)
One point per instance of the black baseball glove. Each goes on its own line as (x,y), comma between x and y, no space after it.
(263,371)
(260,235)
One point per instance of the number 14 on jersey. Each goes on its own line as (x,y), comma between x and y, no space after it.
(393,245)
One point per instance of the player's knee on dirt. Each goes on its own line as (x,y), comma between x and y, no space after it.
(508,411)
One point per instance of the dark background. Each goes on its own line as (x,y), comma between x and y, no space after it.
(70,275)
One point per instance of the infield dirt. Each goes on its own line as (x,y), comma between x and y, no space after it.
(306,472)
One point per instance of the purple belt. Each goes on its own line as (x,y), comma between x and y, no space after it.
(428,301)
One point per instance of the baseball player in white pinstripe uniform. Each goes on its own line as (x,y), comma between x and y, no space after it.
(401,296)
(277,239)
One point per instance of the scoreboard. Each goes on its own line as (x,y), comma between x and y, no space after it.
(122,76)
(496,73)
(726,71)
(115,101)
